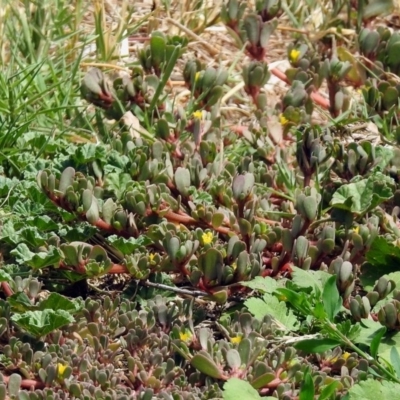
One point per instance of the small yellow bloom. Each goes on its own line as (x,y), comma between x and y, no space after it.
(283,120)
(151,257)
(60,369)
(346,355)
(294,55)
(197,76)
(185,336)
(207,237)
(234,266)
(236,339)
(198,115)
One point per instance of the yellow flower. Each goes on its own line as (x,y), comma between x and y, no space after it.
(60,369)
(234,266)
(346,355)
(356,229)
(236,339)
(283,120)
(207,237)
(151,257)
(185,336)
(198,115)
(294,55)
(197,76)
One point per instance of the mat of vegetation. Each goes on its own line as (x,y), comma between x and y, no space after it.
(199,200)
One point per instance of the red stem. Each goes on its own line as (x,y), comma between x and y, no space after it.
(27,383)
(7,289)
(317,97)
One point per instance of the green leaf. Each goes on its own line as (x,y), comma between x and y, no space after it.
(382,258)
(37,260)
(217,220)
(270,305)
(395,360)
(376,341)
(20,302)
(57,302)
(117,183)
(206,365)
(307,390)
(372,390)
(262,284)
(305,279)
(317,345)
(5,277)
(41,323)
(331,298)
(329,390)
(167,71)
(236,388)
(43,223)
(390,340)
(364,195)
(368,330)
(383,157)
(128,246)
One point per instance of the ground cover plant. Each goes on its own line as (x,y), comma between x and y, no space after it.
(199,200)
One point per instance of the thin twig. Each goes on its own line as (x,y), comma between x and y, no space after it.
(174,289)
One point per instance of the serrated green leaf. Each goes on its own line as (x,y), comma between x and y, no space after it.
(20,302)
(236,388)
(41,323)
(372,390)
(56,302)
(117,183)
(37,260)
(364,195)
(270,305)
(262,284)
(128,246)
(314,279)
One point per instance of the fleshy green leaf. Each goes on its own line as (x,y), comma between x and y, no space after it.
(206,365)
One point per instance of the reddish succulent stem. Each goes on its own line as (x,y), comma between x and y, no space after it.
(27,383)
(317,97)
(7,289)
